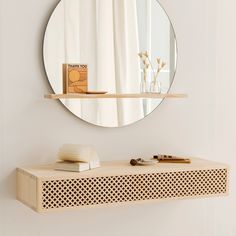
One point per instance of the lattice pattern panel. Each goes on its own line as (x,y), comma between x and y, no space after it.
(130,188)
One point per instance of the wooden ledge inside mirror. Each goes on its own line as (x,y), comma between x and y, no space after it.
(97,96)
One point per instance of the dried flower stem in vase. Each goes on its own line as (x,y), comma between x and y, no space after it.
(161,65)
(145,59)
(144,56)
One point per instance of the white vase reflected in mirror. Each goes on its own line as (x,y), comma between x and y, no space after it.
(155,87)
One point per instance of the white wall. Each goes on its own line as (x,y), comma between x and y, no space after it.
(32,129)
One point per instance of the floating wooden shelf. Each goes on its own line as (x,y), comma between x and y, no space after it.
(43,189)
(97,96)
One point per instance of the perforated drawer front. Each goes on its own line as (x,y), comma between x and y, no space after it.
(130,188)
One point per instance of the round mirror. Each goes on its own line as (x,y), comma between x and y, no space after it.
(129,47)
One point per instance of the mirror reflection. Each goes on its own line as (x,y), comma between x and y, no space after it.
(108,35)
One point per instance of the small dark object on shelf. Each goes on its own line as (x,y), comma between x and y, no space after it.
(134,162)
(171,159)
(142,162)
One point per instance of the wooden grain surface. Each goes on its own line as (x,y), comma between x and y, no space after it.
(97,96)
(114,168)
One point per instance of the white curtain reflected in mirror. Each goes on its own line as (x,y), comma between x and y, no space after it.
(108,35)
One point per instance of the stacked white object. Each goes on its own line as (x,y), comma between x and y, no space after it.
(74,157)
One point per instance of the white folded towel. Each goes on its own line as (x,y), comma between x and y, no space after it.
(76,152)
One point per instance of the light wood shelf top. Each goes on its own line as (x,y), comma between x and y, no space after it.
(117,168)
(97,96)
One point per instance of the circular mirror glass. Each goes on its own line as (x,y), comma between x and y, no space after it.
(108,36)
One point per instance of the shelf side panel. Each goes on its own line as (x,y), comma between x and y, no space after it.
(27,189)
